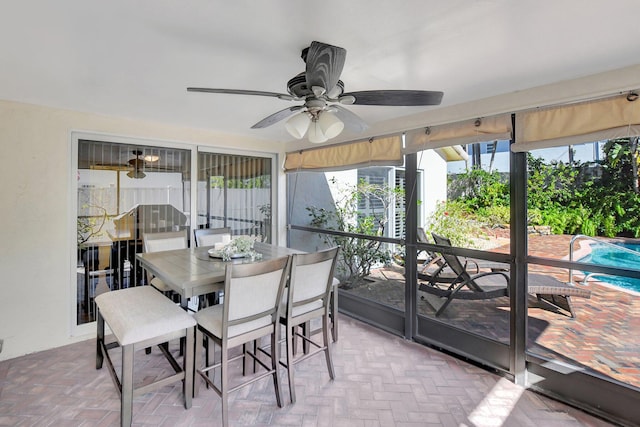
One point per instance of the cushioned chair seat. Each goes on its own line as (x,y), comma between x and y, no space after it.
(211,319)
(141,313)
(160,285)
(140,317)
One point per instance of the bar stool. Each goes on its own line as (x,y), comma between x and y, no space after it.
(141,317)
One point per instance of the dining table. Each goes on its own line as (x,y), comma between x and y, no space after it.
(193,272)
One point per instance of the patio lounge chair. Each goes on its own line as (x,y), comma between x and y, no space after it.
(551,291)
(465,285)
(434,268)
(547,289)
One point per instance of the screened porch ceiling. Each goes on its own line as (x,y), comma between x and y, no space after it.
(136,59)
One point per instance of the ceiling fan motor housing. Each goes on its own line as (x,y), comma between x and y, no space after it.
(298,88)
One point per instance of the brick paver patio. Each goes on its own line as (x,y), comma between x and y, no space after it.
(605,336)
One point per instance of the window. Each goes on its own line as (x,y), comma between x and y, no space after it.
(235,191)
(124,190)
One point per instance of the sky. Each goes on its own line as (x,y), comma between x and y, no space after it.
(586,152)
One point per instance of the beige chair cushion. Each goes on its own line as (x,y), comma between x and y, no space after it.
(160,285)
(317,270)
(311,282)
(245,296)
(168,244)
(211,319)
(212,239)
(141,313)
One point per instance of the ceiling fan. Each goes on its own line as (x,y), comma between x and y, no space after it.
(138,163)
(322,91)
(135,166)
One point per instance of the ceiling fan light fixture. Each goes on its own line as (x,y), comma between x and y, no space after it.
(297,125)
(151,158)
(330,125)
(347,100)
(316,136)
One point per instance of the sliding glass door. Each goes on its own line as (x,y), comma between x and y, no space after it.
(124,190)
(128,187)
(235,191)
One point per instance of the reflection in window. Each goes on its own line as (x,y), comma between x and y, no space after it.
(124,191)
(235,191)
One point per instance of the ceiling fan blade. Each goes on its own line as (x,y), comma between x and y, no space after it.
(351,120)
(324,65)
(396,97)
(276,117)
(242,92)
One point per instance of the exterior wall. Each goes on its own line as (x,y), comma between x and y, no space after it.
(434,182)
(315,189)
(37,234)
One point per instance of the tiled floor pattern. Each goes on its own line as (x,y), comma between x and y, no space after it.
(381,380)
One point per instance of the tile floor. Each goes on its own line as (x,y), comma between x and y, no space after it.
(381,380)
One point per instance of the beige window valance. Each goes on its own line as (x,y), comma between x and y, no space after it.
(460,133)
(385,151)
(609,118)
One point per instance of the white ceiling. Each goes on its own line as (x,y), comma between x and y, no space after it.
(136,58)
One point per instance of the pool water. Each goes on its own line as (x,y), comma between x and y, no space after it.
(609,256)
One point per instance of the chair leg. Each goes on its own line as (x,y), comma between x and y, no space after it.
(210,354)
(188,367)
(290,342)
(275,365)
(306,332)
(249,364)
(224,384)
(197,360)
(294,331)
(99,341)
(327,346)
(334,314)
(126,394)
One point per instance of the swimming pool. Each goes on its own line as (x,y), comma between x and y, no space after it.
(603,254)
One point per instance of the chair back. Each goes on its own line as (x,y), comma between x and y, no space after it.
(211,236)
(452,260)
(252,294)
(311,282)
(422,236)
(167,241)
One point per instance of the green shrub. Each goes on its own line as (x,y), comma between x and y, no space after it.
(452,220)
(357,255)
(495,215)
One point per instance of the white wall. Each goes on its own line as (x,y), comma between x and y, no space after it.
(36,232)
(434,182)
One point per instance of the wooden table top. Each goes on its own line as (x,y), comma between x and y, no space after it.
(192,272)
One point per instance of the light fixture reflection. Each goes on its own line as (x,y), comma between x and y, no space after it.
(136,174)
(151,158)
(321,126)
